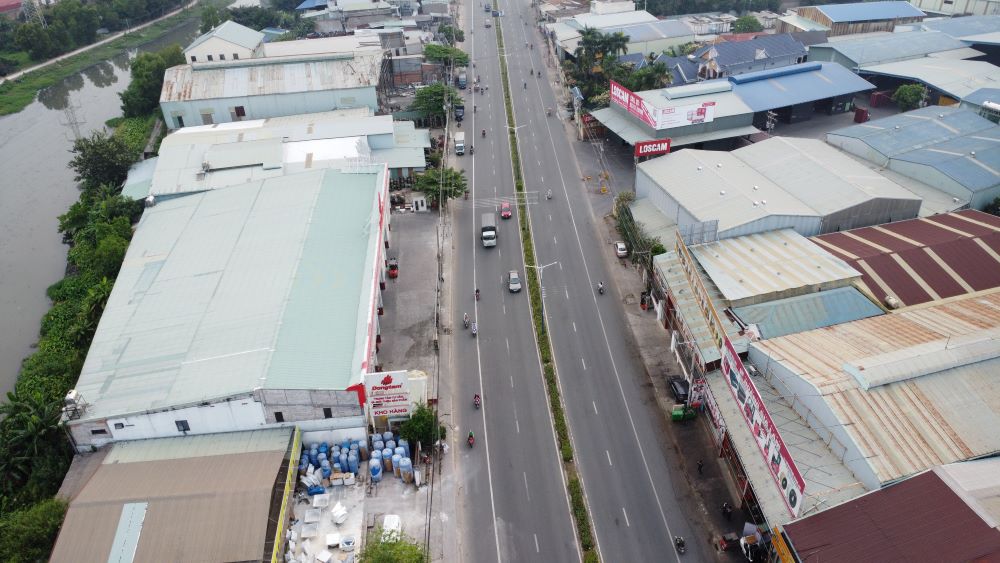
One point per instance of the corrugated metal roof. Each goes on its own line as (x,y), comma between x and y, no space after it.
(924,259)
(343,44)
(226,291)
(808,312)
(978,483)
(964,26)
(955,78)
(892,47)
(930,412)
(870,11)
(924,127)
(796,84)
(233,33)
(972,161)
(802,23)
(605,21)
(898,524)
(759,48)
(197,506)
(268,76)
(983,95)
(819,175)
(772,265)
(654,223)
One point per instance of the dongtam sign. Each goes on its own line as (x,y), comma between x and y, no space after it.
(652,148)
(388,393)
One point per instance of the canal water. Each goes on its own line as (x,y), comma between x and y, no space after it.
(36,186)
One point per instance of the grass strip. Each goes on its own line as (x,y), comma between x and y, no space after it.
(578,504)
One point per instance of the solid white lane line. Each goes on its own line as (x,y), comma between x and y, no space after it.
(517,425)
(609,458)
(508,345)
(512,382)
(526,491)
(626,517)
(536,543)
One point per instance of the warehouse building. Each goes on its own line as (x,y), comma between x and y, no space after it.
(236,308)
(863,52)
(923,260)
(223,497)
(801,184)
(646,33)
(714,114)
(948,81)
(209,93)
(950,149)
(229,41)
(981,31)
(763,52)
(848,19)
(890,524)
(208,157)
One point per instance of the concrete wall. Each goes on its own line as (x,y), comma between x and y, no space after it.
(261,107)
(806,400)
(219,50)
(298,405)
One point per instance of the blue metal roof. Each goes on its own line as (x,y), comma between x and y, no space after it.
(740,52)
(868,11)
(904,132)
(311,5)
(983,95)
(972,161)
(808,312)
(964,26)
(891,47)
(797,84)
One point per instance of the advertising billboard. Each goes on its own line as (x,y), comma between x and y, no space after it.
(662,118)
(772,448)
(652,148)
(388,394)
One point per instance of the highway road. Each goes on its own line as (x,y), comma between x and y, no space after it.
(513,501)
(613,421)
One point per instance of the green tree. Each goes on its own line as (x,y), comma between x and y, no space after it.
(909,96)
(431,99)
(394,549)
(28,535)
(143,94)
(80,21)
(210,18)
(446,55)
(430,182)
(616,44)
(31,37)
(993,207)
(101,159)
(451,34)
(747,24)
(31,424)
(420,428)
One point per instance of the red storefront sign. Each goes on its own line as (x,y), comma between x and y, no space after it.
(651,148)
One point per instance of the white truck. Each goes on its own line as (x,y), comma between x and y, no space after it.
(489,230)
(460,143)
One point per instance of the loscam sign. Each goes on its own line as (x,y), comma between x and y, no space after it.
(388,393)
(651,148)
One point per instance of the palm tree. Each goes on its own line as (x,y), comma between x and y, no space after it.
(30,425)
(91,310)
(616,44)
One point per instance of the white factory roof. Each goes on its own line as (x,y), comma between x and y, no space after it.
(231,32)
(913,389)
(773,265)
(323,45)
(269,76)
(956,78)
(245,151)
(264,285)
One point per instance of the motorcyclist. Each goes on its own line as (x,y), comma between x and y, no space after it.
(525,85)
(472,150)
(466,320)
(484,132)
(548,111)
(548,194)
(531,72)
(477,294)
(473,109)
(600,287)
(476,400)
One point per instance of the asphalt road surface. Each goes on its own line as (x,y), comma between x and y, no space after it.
(513,501)
(515,481)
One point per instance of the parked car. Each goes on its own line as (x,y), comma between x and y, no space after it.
(505,211)
(514,281)
(679,387)
(621,250)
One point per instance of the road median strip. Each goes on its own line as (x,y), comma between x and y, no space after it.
(578,504)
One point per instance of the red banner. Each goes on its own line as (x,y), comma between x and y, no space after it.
(632,103)
(651,148)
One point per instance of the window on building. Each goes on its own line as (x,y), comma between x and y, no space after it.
(241,111)
(279,416)
(236,56)
(182,426)
(180,120)
(119,425)
(222,56)
(194,59)
(210,58)
(206,118)
(327,412)
(98,431)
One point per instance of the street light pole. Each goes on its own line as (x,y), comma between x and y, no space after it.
(541,272)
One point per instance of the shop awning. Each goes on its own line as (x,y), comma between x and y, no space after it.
(625,128)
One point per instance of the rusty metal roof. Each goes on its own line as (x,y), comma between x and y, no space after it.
(912,389)
(925,259)
(920,519)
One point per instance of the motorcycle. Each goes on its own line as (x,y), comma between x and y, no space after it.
(477,295)
(484,133)
(600,288)
(477,401)
(472,440)
(472,150)
(548,194)
(475,329)
(679,544)
(466,320)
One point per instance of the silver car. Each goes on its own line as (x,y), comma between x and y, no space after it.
(513,281)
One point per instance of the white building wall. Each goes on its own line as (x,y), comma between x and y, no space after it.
(658,45)
(959,7)
(804,225)
(222,110)
(646,187)
(220,50)
(806,400)
(857,147)
(932,177)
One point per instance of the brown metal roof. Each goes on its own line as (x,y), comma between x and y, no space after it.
(920,519)
(207,508)
(923,259)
